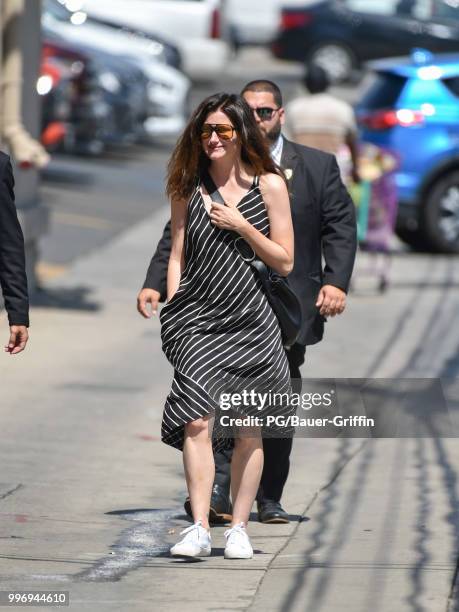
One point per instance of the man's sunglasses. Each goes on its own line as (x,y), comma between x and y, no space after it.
(223,130)
(265,112)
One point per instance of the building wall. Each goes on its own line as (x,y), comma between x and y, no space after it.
(32,213)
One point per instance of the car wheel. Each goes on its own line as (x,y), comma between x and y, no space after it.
(234,41)
(440,214)
(335,58)
(413,238)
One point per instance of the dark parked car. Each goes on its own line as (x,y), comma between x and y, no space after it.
(110,102)
(55,87)
(89,115)
(125,90)
(341,34)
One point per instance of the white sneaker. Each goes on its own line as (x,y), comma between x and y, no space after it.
(237,543)
(196,543)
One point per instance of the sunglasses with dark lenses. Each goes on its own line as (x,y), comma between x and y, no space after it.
(223,130)
(265,112)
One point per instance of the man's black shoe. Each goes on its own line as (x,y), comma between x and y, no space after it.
(270,511)
(220,511)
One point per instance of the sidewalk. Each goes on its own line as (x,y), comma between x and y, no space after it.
(90,499)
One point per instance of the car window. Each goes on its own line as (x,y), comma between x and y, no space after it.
(415,9)
(445,9)
(422,9)
(376,7)
(383,92)
(58,11)
(429,9)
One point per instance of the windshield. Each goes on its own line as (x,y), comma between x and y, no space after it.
(410,9)
(446,9)
(382,92)
(56,10)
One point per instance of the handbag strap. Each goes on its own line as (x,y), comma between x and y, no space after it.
(261,268)
(211,189)
(216,196)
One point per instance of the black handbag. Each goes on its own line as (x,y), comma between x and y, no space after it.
(281,297)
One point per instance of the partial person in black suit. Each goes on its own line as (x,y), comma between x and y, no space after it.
(324,226)
(13,279)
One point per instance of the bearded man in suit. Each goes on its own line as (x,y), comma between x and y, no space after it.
(324,225)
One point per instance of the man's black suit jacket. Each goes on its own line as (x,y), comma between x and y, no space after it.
(13,278)
(324,225)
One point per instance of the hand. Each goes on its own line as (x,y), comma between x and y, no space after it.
(18,339)
(148,296)
(227,217)
(331,301)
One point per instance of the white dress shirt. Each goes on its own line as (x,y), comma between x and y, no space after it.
(276,150)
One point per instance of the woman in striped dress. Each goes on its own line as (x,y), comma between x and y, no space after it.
(217,327)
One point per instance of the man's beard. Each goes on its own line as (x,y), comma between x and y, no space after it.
(274,133)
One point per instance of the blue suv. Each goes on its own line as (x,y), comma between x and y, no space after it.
(412,109)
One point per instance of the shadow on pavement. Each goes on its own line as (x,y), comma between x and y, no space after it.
(323,525)
(76,298)
(68,175)
(338,516)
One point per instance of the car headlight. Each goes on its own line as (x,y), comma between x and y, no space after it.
(110,82)
(78,18)
(44,84)
(155,48)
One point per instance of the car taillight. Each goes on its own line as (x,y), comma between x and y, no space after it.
(53,134)
(215,24)
(51,50)
(50,68)
(386,119)
(295,19)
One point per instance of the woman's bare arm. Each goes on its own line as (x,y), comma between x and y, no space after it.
(277,250)
(177,256)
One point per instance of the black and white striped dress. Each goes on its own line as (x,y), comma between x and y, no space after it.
(219,331)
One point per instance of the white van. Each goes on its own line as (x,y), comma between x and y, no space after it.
(192,25)
(251,22)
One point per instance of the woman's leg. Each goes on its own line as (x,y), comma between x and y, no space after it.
(198,461)
(246,469)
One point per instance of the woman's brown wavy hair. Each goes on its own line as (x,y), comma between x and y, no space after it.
(188,160)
